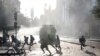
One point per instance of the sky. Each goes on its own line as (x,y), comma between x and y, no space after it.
(38,5)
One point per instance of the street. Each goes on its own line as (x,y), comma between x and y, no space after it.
(68,49)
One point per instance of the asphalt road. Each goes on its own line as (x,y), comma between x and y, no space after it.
(70,47)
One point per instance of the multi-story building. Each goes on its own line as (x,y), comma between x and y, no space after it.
(75,15)
(10,7)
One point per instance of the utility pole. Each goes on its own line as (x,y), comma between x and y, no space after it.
(15,23)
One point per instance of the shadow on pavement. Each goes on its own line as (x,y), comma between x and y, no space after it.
(90,53)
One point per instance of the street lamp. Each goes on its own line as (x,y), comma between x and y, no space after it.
(15,23)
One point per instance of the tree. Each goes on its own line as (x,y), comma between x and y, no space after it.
(96,9)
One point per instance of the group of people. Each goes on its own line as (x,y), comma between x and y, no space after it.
(82,41)
(17,42)
(6,40)
(31,41)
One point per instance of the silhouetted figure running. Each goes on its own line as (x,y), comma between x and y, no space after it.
(82,41)
(25,40)
(31,41)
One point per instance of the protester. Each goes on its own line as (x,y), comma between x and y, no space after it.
(31,41)
(25,40)
(82,41)
(16,43)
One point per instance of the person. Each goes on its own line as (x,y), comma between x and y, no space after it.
(5,35)
(82,41)
(16,43)
(58,43)
(25,40)
(31,41)
(12,38)
(15,40)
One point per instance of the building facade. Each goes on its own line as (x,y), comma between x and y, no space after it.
(10,7)
(75,15)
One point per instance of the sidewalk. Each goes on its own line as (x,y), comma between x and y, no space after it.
(94,43)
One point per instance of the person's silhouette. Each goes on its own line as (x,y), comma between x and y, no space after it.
(82,41)
(58,43)
(16,43)
(5,35)
(25,40)
(31,41)
(13,38)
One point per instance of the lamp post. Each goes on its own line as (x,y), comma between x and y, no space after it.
(15,23)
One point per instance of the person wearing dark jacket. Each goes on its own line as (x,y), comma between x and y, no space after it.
(82,41)
(16,43)
(25,40)
(58,43)
(31,41)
